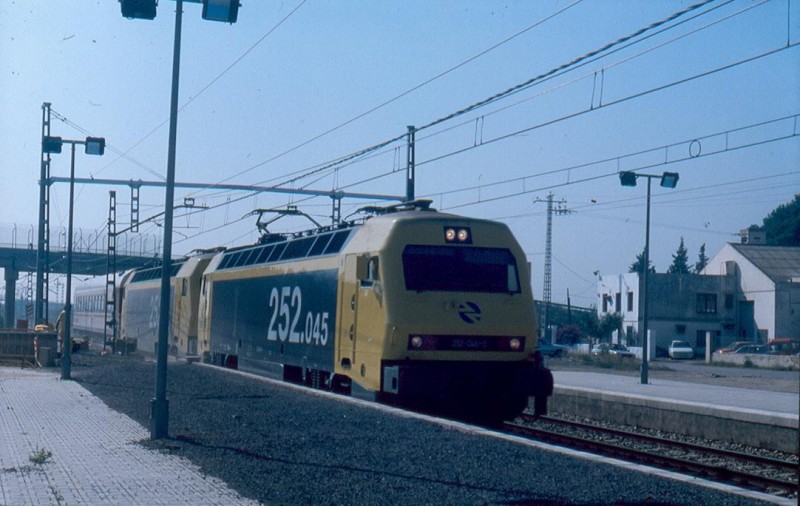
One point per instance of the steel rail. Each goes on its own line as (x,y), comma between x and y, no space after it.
(756,459)
(708,471)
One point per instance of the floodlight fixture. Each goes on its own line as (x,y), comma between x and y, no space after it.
(52,144)
(139,9)
(627,178)
(670,179)
(95,146)
(221,10)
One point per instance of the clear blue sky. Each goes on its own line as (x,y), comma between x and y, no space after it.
(253,94)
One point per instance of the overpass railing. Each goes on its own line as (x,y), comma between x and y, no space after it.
(20,236)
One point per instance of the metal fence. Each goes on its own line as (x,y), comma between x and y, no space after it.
(27,348)
(20,236)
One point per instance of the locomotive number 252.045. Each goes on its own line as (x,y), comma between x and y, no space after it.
(286,322)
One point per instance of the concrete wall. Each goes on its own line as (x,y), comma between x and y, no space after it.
(750,428)
(24,346)
(758,360)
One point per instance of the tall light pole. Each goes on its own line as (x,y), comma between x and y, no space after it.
(92,146)
(214,10)
(668,180)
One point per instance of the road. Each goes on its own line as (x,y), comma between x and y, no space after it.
(697,371)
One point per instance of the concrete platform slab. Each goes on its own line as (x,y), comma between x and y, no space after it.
(62,445)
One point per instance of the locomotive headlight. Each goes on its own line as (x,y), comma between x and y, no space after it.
(416,342)
(454,234)
(514,344)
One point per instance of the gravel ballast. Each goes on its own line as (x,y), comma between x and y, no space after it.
(283,446)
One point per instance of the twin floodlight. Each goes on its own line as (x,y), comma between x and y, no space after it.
(226,11)
(460,235)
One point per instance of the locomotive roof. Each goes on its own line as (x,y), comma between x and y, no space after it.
(333,240)
(155,272)
(314,244)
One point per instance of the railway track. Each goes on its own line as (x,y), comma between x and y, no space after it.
(771,475)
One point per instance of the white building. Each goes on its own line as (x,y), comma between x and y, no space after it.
(682,307)
(768,288)
(619,293)
(746,292)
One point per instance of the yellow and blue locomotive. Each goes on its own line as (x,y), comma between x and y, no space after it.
(412,306)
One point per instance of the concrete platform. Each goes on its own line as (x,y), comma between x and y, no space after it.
(62,445)
(752,417)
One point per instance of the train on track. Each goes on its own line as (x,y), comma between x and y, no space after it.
(408,306)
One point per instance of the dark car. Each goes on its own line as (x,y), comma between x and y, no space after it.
(783,346)
(752,348)
(734,346)
(612,349)
(551,350)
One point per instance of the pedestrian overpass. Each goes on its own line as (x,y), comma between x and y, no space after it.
(90,255)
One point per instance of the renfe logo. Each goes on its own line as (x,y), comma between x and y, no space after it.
(469,312)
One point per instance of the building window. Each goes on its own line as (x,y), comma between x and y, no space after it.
(630,301)
(618,305)
(706,303)
(728,301)
(606,298)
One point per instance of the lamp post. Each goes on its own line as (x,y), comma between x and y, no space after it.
(668,180)
(213,10)
(92,146)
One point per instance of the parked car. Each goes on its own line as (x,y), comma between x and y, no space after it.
(612,349)
(784,346)
(551,350)
(680,349)
(734,346)
(752,348)
(620,350)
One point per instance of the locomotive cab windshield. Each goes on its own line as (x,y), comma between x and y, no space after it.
(460,269)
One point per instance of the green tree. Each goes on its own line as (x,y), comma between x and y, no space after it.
(782,225)
(638,265)
(602,328)
(702,260)
(680,261)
